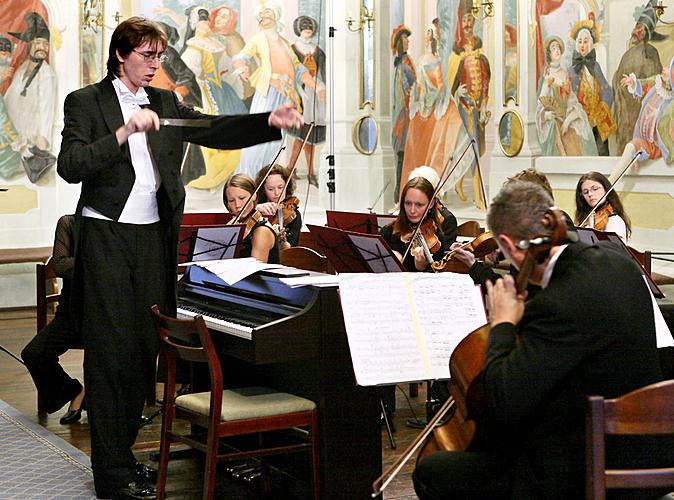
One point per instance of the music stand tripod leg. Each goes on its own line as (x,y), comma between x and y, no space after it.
(388,425)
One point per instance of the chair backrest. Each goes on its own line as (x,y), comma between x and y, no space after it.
(644,258)
(46,291)
(469,228)
(187,339)
(645,411)
(304,258)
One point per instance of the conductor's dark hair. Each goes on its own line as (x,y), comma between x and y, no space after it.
(130,34)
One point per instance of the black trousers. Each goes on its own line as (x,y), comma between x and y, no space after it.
(124,272)
(54,386)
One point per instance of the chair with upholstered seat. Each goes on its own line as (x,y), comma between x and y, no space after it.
(225,413)
(643,412)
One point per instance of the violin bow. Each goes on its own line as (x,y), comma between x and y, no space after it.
(609,190)
(443,180)
(293,168)
(383,481)
(235,220)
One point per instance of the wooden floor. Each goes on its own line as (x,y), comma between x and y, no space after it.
(17,327)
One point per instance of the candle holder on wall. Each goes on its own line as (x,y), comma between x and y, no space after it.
(487,7)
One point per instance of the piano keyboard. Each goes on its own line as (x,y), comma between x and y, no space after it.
(243,331)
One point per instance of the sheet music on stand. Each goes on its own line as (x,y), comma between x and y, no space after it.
(403,327)
(217,243)
(358,222)
(351,252)
(591,236)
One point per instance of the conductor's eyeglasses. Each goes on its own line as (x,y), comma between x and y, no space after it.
(149,57)
(592,189)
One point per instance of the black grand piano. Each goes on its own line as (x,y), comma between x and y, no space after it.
(293,339)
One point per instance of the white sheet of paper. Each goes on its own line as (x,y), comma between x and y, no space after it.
(319,280)
(404,326)
(232,270)
(663,337)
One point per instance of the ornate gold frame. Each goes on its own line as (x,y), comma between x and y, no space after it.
(355,136)
(366,30)
(92,20)
(511,151)
(514,98)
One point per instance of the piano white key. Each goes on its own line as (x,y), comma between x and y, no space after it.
(244,332)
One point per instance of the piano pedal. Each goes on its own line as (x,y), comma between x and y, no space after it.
(236,467)
(249,478)
(241,474)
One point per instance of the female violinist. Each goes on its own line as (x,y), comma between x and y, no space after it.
(610,216)
(438,227)
(285,212)
(259,239)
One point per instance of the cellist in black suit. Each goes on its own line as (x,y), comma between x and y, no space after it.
(589,331)
(129,212)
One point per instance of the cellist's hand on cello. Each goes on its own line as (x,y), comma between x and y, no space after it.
(505,305)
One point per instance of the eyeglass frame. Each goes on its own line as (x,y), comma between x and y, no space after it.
(592,189)
(153,57)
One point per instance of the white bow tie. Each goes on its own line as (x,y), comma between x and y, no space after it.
(138,99)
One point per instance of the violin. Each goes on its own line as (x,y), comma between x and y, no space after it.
(460,432)
(601,216)
(482,245)
(425,236)
(250,222)
(288,208)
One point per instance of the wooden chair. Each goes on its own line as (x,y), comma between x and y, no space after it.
(304,258)
(47,291)
(469,228)
(224,413)
(645,411)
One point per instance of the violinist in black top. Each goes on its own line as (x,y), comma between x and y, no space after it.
(259,238)
(285,212)
(438,227)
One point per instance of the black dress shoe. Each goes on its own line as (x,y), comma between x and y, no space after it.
(135,490)
(72,416)
(146,474)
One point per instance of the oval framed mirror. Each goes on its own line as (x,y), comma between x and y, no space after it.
(364,134)
(510,133)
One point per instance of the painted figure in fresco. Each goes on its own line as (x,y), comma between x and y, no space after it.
(404,79)
(468,74)
(223,22)
(562,125)
(654,130)
(10,161)
(5,56)
(436,127)
(205,55)
(590,85)
(275,80)
(511,60)
(643,60)
(312,57)
(31,99)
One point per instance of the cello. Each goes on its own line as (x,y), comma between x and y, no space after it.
(457,424)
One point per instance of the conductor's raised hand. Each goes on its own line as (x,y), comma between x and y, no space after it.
(286,117)
(141,121)
(505,304)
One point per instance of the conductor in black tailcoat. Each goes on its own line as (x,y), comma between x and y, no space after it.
(589,331)
(129,213)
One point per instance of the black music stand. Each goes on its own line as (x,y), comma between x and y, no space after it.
(358,222)
(216,243)
(591,236)
(351,252)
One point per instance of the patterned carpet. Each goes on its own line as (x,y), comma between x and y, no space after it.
(36,464)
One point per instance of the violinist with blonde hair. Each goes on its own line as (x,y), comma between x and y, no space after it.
(259,238)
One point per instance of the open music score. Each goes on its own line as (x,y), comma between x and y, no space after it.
(403,327)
